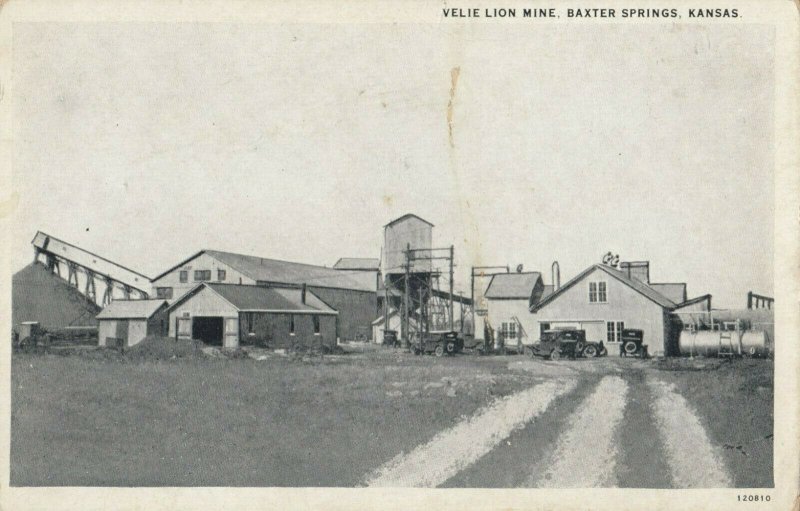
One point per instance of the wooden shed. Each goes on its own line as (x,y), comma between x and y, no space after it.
(229,314)
(126,322)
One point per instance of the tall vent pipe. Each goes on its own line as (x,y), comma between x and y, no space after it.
(555,276)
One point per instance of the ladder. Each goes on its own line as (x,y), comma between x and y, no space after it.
(726,347)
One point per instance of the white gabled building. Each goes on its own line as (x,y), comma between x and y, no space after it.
(509,297)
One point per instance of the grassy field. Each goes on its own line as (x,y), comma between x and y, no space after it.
(100,418)
(117,421)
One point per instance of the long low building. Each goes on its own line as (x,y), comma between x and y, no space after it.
(353,294)
(231,314)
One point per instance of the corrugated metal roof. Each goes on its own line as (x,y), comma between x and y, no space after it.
(284,272)
(130,309)
(357,263)
(512,285)
(260,298)
(674,291)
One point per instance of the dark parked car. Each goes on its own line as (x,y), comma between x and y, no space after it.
(566,342)
(439,343)
(390,338)
(633,344)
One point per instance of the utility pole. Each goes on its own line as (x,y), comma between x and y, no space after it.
(451,288)
(386,307)
(405,295)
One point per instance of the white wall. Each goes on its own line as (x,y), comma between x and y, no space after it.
(377,330)
(106,328)
(137,330)
(506,310)
(205,303)
(201,262)
(623,304)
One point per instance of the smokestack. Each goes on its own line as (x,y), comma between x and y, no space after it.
(555,275)
(303,295)
(639,270)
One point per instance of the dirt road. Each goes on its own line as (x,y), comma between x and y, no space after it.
(603,423)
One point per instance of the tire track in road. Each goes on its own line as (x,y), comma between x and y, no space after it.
(690,454)
(585,456)
(508,465)
(454,449)
(642,462)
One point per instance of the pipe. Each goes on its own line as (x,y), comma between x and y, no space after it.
(555,275)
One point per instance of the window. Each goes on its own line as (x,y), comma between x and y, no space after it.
(597,292)
(184,276)
(508,330)
(291,324)
(614,331)
(315,319)
(220,274)
(164,292)
(202,275)
(543,327)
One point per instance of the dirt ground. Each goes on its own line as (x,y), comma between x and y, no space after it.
(363,417)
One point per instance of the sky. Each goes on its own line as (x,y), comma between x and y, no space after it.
(146,142)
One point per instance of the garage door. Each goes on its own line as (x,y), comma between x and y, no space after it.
(208,329)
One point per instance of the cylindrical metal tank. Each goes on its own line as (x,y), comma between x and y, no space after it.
(755,343)
(707,342)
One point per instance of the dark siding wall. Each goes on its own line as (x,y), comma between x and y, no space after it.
(159,323)
(357,310)
(274,329)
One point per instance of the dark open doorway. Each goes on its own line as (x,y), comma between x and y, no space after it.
(208,330)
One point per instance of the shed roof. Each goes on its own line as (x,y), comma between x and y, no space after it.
(512,285)
(270,299)
(637,285)
(250,298)
(406,217)
(131,309)
(675,291)
(357,263)
(285,272)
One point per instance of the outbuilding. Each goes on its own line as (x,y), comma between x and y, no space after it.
(124,323)
(379,325)
(231,314)
(509,297)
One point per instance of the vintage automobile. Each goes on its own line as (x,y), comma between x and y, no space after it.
(632,344)
(390,338)
(441,342)
(566,342)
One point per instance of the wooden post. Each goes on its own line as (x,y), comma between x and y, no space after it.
(451,288)
(406,283)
